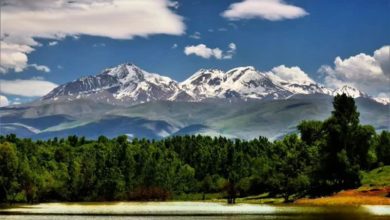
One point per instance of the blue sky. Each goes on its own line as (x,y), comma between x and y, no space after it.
(311,36)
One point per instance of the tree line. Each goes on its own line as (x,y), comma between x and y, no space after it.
(325,157)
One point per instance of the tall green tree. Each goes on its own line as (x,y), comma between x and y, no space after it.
(8,171)
(345,146)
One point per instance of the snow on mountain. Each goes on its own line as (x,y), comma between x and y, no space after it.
(350,91)
(249,83)
(241,82)
(312,88)
(204,83)
(140,85)
(382,100)
(129,84)
(126,83)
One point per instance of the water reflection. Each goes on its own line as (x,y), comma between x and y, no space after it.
(189,210)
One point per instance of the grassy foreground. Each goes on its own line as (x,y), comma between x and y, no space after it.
(375,190)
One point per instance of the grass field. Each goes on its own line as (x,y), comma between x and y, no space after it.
(378,177)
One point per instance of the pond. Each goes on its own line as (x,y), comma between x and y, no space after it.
(190,210)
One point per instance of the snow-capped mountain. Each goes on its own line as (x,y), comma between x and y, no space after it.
(241,82)
(129,84)
(123,83)
(350,91)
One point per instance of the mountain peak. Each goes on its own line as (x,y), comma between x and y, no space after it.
(126,70)
(349,91)
(242,69)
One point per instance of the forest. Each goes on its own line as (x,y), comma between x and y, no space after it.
(321,158)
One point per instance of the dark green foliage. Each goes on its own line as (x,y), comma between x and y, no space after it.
(8,171)
(311,131)
(291,166)
(344,147)
(328,156)
(382,146)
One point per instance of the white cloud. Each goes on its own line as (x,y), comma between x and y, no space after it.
(3,101)
(203,51)
(382,57)
(40,67)
(364,72)
(28,88)
(195,35)
(53,43)
(174,46)
(290,74)
(13,56)
(273,10)
(23,20)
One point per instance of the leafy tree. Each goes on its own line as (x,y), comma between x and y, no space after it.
(291,167)
(345,147)
(8,171)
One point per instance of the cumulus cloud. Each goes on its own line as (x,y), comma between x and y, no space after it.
(382,57)
(3,101)
(273,10)
(28,88)
(13,56)
(24,20)
(205,52)
(369,73)
(290,74)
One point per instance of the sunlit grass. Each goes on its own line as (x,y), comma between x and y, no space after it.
(377,177)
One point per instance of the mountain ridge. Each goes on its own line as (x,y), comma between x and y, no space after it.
(128,84)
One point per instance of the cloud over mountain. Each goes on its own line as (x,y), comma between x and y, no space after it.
(290,74)
(24,20)
(370,73)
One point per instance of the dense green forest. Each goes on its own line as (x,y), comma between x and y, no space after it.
(325,157)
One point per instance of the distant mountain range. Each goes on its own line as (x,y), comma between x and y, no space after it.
(128,84)
(239,103)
